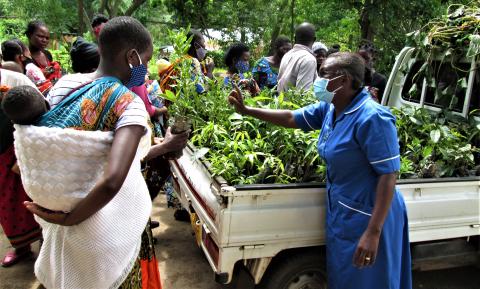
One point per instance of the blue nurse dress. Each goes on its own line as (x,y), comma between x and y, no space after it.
(358,147)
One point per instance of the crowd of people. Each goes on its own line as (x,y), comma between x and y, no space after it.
(106,240)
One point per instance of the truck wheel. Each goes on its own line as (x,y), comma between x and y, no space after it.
(302,271)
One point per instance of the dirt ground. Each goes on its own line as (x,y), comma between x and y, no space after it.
(183,266)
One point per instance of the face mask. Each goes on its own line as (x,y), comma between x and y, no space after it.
(321,91)
(242,66)
(137,74)
(201,53)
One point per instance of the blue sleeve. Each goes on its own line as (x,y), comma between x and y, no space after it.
(311,117)
(199,82)
(199,88)
(226,81)
(377,136)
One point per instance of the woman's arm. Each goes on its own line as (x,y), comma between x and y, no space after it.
(368,244)
(279,117)
(159,111)
(122,154)
(171,143)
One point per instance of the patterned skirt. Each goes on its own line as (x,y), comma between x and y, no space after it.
(145,273)
(17,222)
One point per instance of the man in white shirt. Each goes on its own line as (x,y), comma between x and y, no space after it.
(299,66)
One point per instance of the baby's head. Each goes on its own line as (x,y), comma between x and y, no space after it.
(24,105)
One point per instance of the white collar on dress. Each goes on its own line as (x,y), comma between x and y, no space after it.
(364,98)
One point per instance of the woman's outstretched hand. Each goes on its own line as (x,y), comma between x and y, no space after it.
(250,85)
(235,98)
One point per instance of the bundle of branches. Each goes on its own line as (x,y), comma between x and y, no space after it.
(447,47)
(454,32)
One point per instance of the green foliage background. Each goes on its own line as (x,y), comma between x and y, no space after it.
(252,21)
(242,149)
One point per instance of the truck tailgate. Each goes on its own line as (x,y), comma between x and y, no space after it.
(196,187)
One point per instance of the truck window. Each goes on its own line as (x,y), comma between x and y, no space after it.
(412,89)
(446,89)
(474,106)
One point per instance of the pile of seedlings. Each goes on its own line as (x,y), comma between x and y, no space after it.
(244,150)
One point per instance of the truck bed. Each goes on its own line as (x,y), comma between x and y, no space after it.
(256,221)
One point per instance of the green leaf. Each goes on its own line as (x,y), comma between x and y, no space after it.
(413,90)
(462,82)
(427,151)
(235,116)
(170,96)
(435,135)
(199,153)
(415,120)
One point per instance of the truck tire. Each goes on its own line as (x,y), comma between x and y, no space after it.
(299,271)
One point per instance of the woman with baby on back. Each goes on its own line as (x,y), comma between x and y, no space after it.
(105,241)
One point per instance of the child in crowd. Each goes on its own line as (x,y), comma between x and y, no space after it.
(24,105)
(158,120)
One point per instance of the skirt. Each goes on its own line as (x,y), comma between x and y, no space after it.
(17,222)
(145,273)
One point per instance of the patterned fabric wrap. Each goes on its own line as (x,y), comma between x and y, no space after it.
(265,75)
(94,106)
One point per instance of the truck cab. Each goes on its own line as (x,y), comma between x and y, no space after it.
(406,88)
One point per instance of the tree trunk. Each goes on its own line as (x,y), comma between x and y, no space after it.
(243,35)
(366,29)
(81,22)
(103,6)
(278,24)
(108,8)
(134,6)
(292,15)
(115,8)
(87,20)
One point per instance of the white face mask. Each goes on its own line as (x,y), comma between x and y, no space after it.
(321,91)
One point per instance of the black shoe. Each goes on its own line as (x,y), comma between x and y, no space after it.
(154,224)
(182,215)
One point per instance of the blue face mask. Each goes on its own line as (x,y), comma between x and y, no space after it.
(321,91)
(200,51)
(137,73)
(242,66)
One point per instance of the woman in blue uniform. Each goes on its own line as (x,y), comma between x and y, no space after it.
(367,227)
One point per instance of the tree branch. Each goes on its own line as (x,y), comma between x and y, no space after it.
(103,6)
(115,7)
(134,6)
(109,9)
(153,21)
(87,20)
(81,21)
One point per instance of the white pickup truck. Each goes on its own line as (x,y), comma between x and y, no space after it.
(277,232)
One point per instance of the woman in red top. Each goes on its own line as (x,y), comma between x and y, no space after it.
(38,39)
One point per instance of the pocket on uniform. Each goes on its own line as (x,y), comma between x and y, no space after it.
(353,218)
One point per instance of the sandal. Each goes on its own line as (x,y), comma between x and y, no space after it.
(12,257)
